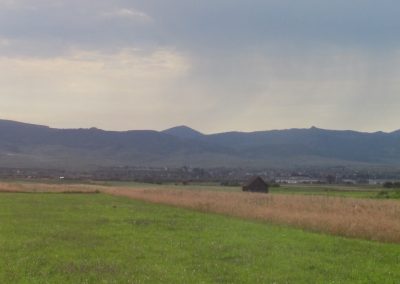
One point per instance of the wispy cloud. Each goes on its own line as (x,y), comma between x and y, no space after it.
(17,5)
(129,14)
(4,42)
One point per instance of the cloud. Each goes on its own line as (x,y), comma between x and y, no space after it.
(86,85)
(4,42)
(16,5)
(130,14)
(215,65)
(55,26)
(269,89)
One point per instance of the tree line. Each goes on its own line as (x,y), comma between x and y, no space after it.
(390,184)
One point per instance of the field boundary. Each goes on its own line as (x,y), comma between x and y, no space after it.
(369,219)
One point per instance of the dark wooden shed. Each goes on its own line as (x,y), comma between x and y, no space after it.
(256,184)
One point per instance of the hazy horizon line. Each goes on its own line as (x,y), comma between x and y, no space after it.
(195,129)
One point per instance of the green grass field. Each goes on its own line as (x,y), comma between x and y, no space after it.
(77,238)
(360,191)
(355,191)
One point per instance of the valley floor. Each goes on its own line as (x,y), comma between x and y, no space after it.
(98,238)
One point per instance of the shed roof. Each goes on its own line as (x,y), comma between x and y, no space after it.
(255,179)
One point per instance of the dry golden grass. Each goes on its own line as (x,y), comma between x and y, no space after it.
(359,218)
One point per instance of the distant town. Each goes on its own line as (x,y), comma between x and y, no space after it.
(222,176)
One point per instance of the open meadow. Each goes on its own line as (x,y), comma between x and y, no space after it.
(356,191)
(74,233)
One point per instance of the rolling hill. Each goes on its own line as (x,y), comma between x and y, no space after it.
(28,145)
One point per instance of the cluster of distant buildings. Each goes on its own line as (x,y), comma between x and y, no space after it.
(224,176)
(345,181)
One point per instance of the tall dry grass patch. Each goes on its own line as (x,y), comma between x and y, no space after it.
(359,218)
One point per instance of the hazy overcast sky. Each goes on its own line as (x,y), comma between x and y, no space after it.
(215,65)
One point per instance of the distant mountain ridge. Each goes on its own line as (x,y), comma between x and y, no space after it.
(183,132)
(28,145)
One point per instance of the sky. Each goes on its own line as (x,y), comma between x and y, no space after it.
(214,65)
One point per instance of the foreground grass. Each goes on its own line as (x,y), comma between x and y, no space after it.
(57,238)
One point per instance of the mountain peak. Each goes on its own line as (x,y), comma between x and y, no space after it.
(183,131)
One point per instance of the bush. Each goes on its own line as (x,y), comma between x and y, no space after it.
(390,184)
(383,194)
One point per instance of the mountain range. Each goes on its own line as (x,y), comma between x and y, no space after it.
(29,146)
